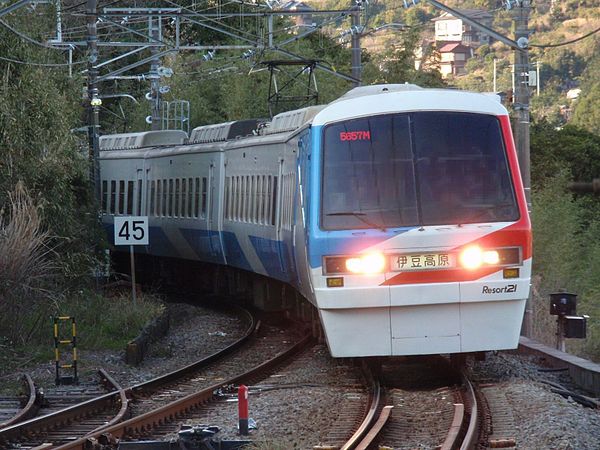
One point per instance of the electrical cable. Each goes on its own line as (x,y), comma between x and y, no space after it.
(566,42)
(27,38)
(29,63)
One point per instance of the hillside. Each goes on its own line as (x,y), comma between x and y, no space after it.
(562,67)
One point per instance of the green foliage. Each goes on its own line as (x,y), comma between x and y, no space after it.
(570,148)
(587,113)
(38,109)
(102,323)
(109,322)
(556,230)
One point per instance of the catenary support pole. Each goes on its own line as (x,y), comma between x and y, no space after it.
(93,99)
(356,60)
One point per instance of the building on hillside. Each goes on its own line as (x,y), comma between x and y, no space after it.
(452,29)
(453,57)
(301,20)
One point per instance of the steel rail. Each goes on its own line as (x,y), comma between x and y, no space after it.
(471,435)
(31,407)
(123,400)
(364,427)
(142,424)
(453,438)
(73,413)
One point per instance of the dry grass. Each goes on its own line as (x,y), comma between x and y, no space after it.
(26,266)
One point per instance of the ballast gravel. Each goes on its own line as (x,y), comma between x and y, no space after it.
(543,419)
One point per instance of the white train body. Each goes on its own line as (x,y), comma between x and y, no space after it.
(398,212)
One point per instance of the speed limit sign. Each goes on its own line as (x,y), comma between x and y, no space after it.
(131,230)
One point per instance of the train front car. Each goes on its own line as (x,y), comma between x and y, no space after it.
(419,238)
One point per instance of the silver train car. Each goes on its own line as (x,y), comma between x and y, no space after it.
(397,212)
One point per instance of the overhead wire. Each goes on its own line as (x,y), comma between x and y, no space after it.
(572,41)
(51,65)
(27,38)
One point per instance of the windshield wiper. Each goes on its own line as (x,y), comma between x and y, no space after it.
(359,215)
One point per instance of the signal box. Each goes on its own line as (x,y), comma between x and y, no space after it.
(575,326)
(563,304)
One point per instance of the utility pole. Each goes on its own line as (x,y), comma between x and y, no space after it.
(154,30)
(521,94)
(93,97)
(356,60)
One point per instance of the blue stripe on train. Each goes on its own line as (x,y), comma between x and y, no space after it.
(233,252)
(206,244)
(275,257)
(159,243)
(346,243)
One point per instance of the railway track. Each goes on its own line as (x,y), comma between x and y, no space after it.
(424,406)
(103,411)
(22,407)
(165,418)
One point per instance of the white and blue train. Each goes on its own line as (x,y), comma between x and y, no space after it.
(397,212)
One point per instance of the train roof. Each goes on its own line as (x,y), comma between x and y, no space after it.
(383,99)
(225,131)
(127,141)
(358,102)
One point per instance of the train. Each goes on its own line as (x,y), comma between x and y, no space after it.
(396,212)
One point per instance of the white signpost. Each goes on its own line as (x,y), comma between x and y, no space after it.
(131,230)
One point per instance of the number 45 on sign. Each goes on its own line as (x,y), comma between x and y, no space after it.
(131,230)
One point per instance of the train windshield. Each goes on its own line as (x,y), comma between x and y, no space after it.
(421,168)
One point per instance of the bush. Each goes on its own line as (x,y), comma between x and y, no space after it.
(26,266)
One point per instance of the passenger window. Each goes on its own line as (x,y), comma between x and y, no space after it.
(104,205)
(152,199)
(113,196)
(130,197)
(164,198)
(177,198)
(121,206)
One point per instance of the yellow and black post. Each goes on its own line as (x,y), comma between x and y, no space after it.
(58,342)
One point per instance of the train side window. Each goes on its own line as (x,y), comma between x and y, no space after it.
(164,198)
(159,198)
(236,197)
(227,202)
(267,200)
(190,197)
(170,198)
(252,200)
(113,196)
(274,201)
(104,196)
(177,198)
(204,195)
(242,192)
(259,198)
(121,205)
(249,199)
(184,195)
(197,198)
(130,197)
(152,212)
(139,198)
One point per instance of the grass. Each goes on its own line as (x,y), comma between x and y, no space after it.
(566,245)
(101,323)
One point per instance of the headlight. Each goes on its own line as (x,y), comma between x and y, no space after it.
(474,257)
(369,263)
